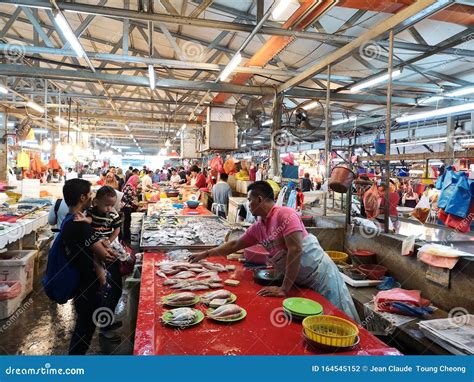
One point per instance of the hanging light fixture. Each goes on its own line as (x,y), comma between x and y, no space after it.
(375,81)
(3,89)
(33,105)
(151,77)
(69,34)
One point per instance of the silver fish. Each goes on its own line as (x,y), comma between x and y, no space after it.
(219,294)
(227,311)
(184,275)
(183,316)
(182,297)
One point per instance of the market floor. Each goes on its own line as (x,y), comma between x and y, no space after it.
(41,327)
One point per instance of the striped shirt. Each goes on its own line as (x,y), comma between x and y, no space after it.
(104,224)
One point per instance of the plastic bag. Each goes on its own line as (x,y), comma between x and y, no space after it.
(9,290)
(449,185)
(460,200)
(422,209)
(229,166)
(383,299)
(461,224)
(372,202)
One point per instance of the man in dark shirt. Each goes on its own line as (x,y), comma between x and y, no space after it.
(306,184)
(81,244)
(182,174)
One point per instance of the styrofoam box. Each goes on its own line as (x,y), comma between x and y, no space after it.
(8,307)
(18,265)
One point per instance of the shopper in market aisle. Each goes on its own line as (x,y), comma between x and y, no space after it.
(293,251)
(410,198)
(156,178)
(393,199)
(182,174)
(147,181)
(306,184)
(197,178)
(175,179)
(81,245)
(128,173)
(221,193)
(130,203)
(121,178)
(111,181)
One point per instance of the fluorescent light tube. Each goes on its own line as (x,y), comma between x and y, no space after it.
(243,145)
(69,34)
(375,81)
(436,113)
(427,141)
(3,90)
(311,105)
(461,92)
(127,128)
(280,8)
(231,66)
(151,77)
(344,120)
(33,105)
(268,122)
(256,142)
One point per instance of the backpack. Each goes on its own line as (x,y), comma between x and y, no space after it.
(61,279)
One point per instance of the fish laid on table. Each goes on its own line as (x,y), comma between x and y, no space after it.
(161,274)
(196,287)
(183,316)
(213,266)
(216,285)
(227,312)
(219,294)
(183,297)
(207,274)
(168,282)
(184,275)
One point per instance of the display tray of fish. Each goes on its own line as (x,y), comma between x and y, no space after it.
(183,232)
(181,299)
(219,297)
(182,317)
(227,313)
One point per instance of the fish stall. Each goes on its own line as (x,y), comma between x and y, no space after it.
(212,308)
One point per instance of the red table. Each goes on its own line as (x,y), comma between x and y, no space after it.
(265,330)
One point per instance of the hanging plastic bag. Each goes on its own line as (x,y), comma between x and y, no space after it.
(461,224)
(281,196)
(460,200)
(449,185)
(23,160)
(422,209)
(229,166)
(372,201)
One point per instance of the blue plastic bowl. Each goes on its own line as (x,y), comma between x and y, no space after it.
(192,204)
(178,205)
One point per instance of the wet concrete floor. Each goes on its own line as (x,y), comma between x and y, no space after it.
(42,327)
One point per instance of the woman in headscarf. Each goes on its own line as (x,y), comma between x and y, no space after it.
(130,203)
(111,180)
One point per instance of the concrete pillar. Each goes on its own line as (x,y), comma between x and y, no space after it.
(3,147)
(275,148)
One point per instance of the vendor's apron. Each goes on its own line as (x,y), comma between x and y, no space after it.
(320,273)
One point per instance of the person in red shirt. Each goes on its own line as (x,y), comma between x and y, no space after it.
(394,198)
(198,180)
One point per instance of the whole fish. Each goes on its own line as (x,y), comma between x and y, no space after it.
(219,294)
(161,274)
(170,282)
(183,316)
(213,266)
(184,275)
(182,297)
(207,274)
(196,287)
(227,311)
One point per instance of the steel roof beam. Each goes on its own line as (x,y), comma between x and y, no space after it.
(403,19)
(213,24)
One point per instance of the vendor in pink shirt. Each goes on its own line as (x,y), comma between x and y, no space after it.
(293,251)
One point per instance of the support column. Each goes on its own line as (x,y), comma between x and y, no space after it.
(327,138)
(450,123)
(275,148)
(388,124)
(3,147)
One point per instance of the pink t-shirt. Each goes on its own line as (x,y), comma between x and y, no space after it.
(271,232)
